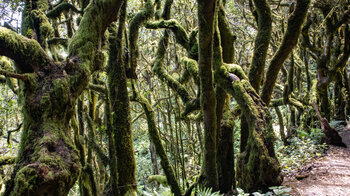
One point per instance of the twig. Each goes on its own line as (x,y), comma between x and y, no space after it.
(13,75)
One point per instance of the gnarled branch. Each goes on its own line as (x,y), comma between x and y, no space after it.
(27,53)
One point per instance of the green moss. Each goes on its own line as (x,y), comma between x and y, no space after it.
(140,18)
(59,9)
(7,160)
(130,193)
(46,29)
(179,32)
(192,67)
(262,40)
(158,178)
(237,70)
(26,177)
(289,41)
(32,80)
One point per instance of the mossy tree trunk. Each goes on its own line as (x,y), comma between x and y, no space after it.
(225,157)
(261,45)
(327,72)
(156,140)
(120,108)
(48,161)
(347,91)
(257,166)
(206,20)
(339,100)
(290,39)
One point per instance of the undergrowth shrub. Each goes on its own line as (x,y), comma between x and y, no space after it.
(302,149)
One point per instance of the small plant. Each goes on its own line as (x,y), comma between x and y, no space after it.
(275,191)
(301,150)
(205,192)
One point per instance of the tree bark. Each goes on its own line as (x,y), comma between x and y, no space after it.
(48,161)
(206,18)
(121,122)
(155,138)
(289,41)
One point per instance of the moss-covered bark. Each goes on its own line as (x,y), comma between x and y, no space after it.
(7,160)
(135,24)
(155,138)
(262,40)
(257,166)
(60,8)
(120,105)
(206,19)
(158,64)
(326,73)
(225,156)
(180,33)
(347,91)
(281,124)
(256,70)
(339,101)
(289,41)
(225,124)
(48,161)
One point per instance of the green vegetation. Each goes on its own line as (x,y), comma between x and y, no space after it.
(210,97)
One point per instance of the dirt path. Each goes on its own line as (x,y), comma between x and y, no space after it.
(325,176)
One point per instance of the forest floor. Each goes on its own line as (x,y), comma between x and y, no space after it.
(328,175)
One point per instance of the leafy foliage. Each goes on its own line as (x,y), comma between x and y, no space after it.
(301,150)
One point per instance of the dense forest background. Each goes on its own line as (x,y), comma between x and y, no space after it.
(117,97)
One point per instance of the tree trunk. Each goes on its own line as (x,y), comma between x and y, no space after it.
(290,40)
(121,122)
(48,162)
(206,18)
(225,124)
(155,138)
(339,100)
(47,154)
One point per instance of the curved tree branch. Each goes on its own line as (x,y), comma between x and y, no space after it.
(135,24)
(289,41)
(27,53)
(180,33)
(262,40)
(60,8)
(6,160)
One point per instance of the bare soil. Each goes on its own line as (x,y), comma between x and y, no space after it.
(328,175)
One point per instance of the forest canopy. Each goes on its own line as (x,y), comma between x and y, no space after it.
(125,97)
